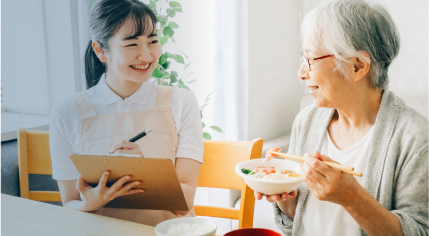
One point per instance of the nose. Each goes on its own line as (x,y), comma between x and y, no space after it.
(303,72)
(144,54)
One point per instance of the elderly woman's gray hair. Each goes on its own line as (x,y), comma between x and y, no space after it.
(346,27)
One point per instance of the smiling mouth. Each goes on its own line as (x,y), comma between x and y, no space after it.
(312,88)
(141,67)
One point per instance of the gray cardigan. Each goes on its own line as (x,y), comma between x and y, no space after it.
(397,169)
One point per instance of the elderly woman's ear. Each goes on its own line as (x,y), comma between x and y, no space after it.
(360,67)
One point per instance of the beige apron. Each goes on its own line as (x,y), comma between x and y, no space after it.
(99,131)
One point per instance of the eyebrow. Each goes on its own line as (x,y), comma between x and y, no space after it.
(136,37)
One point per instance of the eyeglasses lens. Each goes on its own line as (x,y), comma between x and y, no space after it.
(306,62)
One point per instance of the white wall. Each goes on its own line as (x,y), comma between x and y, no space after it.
(273,65)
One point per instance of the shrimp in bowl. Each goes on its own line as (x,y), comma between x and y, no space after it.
(274,177)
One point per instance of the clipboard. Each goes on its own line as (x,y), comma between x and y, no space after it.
(162,190)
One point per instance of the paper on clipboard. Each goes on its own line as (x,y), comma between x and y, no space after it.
(158,178)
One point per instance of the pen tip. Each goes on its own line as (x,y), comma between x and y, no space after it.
(148,131)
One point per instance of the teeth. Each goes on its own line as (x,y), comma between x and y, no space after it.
(140,67)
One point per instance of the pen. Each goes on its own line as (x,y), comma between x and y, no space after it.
(139,136)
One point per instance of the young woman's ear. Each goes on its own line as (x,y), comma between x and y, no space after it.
(97,49)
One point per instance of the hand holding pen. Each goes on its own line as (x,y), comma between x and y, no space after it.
(128,147)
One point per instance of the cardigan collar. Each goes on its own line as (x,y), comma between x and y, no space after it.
(383,128)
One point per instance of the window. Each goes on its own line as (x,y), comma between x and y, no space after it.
(40,46)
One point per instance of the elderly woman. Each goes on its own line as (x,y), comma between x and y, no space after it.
(347,49)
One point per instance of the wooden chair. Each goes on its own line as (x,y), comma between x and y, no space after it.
(220,158)
(218,171)
(34,158)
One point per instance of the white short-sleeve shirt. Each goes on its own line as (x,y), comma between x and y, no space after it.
(65,123)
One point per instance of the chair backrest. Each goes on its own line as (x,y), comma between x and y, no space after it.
(34,158)
(218,171)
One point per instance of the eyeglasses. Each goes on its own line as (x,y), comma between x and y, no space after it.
(308,60)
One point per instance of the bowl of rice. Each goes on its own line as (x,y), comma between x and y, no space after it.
(273,177)
(186,226)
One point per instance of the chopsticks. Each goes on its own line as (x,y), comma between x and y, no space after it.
(343,168)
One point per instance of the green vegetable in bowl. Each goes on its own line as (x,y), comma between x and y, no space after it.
(247,171)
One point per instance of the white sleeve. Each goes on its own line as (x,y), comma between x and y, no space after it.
(190,132)
(61,149)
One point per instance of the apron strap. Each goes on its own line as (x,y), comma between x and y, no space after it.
(163,96)
(84,104)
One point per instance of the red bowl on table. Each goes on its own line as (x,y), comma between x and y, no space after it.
(252,232)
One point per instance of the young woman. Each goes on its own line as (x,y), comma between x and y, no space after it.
(119,103)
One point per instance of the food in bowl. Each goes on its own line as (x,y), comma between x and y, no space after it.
(270,173)
(162,228)
(275,177)
(186,229)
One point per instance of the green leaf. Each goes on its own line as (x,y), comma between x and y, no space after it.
(165,73)
(173,77)
(163,59)
(92,3)
(187,66)
(173,25)
(204,125)
(208,96)
(182,85)
(176,57)
(176,6)
(166,65)
(207,136)
(191,81)
(216,128)
(168,31)
(172,39)
(189,74)
(171,12)
(163,18)
(157,73)
(246,171)
(185,55)
(172,56)
(152,4)
(163,40)
(179,59)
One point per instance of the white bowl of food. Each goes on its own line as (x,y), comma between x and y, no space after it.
(186,226)
(272,177)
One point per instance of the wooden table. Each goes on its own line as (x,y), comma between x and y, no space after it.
(21,216)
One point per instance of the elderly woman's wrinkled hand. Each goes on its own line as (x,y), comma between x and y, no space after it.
(327,183)
(277,197)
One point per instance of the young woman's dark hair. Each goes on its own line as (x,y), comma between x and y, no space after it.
(107,17)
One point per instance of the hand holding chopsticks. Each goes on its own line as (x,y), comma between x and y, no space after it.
(343,168)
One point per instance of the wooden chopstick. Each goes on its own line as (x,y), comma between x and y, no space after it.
(343,168)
